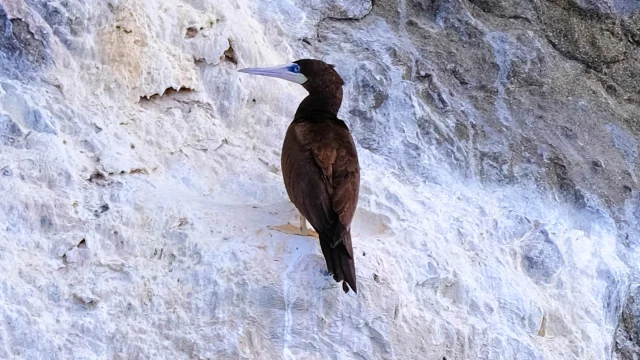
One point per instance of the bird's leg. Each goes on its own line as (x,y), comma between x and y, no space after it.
(302,230)
(306,231)
(303,226)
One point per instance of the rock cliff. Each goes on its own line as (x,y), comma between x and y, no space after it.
(139,172)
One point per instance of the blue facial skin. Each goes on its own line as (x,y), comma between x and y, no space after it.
(295,68)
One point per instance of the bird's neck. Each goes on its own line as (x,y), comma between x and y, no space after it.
(320,103)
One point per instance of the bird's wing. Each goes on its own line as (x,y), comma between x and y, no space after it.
(338,160)
(332,193)
(304,180)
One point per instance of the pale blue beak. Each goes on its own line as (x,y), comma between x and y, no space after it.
(289,72)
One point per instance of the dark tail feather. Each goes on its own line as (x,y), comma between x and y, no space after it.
(339,262)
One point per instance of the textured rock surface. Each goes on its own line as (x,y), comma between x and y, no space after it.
(628,331)
(139,171)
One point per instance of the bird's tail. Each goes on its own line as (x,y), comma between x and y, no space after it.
(340,260)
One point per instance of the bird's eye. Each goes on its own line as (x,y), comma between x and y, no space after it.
(295,68)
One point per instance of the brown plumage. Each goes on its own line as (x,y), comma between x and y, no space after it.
(320,166)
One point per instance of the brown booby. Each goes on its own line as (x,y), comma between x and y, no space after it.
(320,163)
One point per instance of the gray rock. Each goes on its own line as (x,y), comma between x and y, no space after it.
(541,258)
(518,9)
(25,114)
(23,48)
(627,337)
(625,73)
(596,7)
(626,7)
(592,41)
(67,19)
(10,132)
(341,9)
(626,143)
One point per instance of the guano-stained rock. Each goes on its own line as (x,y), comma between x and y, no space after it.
(139,174)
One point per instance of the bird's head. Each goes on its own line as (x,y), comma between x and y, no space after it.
(313,75)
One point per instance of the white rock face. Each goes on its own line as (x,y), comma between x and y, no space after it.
(139,172)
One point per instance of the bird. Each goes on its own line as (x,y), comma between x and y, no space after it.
(319,161)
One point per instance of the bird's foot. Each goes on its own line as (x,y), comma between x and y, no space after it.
(293,230)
